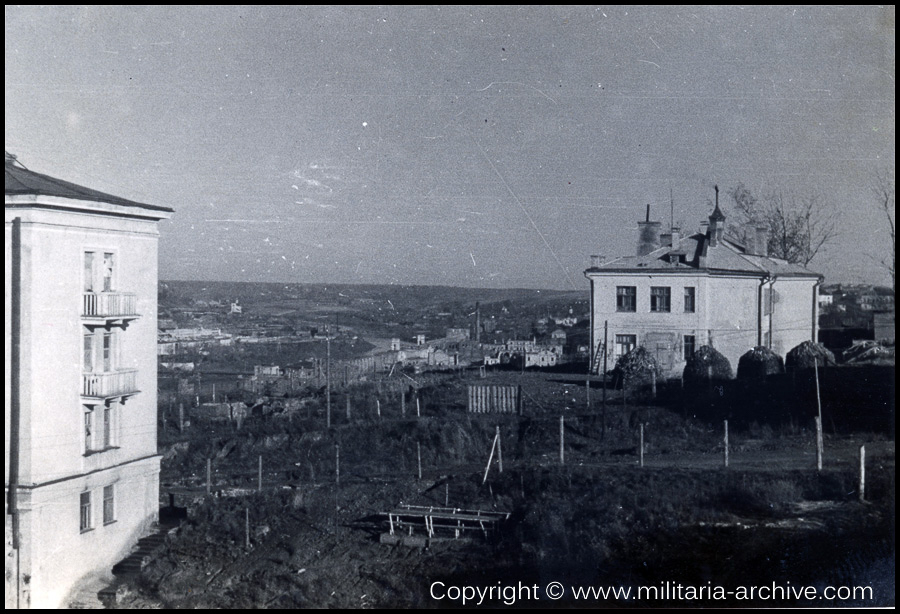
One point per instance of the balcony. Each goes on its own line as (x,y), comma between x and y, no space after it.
(108,307)
(102,386)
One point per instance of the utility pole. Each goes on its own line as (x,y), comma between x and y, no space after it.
(327,379)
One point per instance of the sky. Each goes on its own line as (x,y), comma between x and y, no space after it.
(465,146)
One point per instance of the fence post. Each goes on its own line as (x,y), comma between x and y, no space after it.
(490,458)
(820,444)
(378,408)
(726,443)
(181,417)
(208,475)
(419,457)
(247,526)
(418,408)
(402,404)
(260,473)
(562,440)
(642,444)
(337,464)
(862,473)
(348,408)
(499,450)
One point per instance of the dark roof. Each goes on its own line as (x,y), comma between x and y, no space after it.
(21,181)
(694,253)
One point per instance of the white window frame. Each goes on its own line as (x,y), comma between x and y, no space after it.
(85,512)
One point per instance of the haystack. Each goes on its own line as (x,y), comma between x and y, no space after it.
(759,362)
(706,364)
(636,366)
(807,355)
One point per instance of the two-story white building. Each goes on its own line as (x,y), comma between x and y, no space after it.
(82,469)
(678,293)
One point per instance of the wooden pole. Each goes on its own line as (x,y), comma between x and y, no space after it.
(653,382)
(337,465)
(499,450)
(378,408)
(642,445)
(562,440)
(259,481)
(247,526)
(490,458)
(348,408)
(820,444)
(862,473)
(726,443)
(214,392)
(587,391)
(402,404)
(208,475)
(419,456)
(181,417)
(418,408)
(446,494)
(328,380)
(605,353)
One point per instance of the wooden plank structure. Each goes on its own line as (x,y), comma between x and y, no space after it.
(441,522)
(495,400)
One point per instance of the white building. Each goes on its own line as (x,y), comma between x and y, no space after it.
(677,294)
(82,469)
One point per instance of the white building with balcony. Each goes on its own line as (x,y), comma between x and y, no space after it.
(82,469)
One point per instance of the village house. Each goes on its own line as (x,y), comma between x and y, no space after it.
(708,288)
(82,469)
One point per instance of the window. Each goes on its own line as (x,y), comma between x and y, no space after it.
(660,298)
(85,522)
(109,339)
(88,352)
(624,344)
(690,303)
(690,345)
(88,430)
(109,504)
(626,298)
(107,272)
(107,427)
(88,271)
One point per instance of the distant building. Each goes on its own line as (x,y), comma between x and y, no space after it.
(676,294)
(884,326)
(458,334)
(235,308)
(82,470)
(825,300)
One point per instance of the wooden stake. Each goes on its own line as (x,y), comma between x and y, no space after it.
(820,444)
(446,494)
(726,443)
(419,456)
(642,445)
(260,473)
(587,392)
(247,526)
(862,473)
(181,417)
(402,404)
(653,382)
(499,450)
(490,458)
(418,408)
(348,408)
(208,475)
(214,392)
(337,465)
(378,408)
(562,440)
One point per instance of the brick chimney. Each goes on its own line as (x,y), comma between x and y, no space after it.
(648,235)
(762,239)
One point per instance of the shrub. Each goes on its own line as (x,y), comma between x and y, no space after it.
(759,362)
(636,366)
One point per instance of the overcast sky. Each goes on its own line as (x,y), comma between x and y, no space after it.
(472,146)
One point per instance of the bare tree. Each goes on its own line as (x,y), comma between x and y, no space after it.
(884,193)
(799,227)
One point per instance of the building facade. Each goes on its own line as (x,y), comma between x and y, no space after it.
(82,470)
(679,293)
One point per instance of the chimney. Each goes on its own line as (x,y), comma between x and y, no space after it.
(762,239)
(648,235)
(716,223)
(704,227)
(596,261)
(676,236)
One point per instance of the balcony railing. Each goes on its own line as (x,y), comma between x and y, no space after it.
(111,384)
(109,305)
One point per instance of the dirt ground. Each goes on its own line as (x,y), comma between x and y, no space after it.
(599,518)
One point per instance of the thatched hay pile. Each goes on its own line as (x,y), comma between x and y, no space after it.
(706,364)
(869,352)
(637,366)
(759,362)
(807,355)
